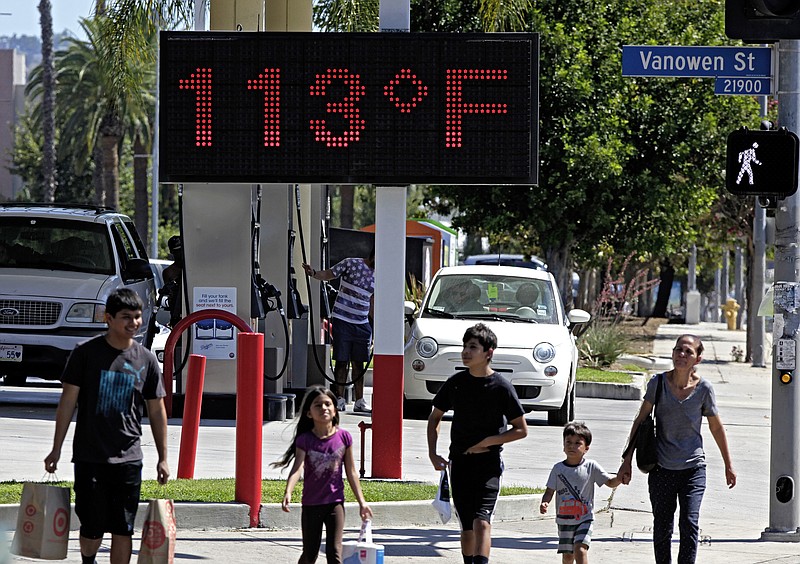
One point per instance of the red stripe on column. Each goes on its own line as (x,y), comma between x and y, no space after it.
(387,416)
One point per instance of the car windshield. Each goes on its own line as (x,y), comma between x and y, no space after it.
(52,244)
(492,297)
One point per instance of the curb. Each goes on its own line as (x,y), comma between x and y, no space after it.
(402,513)
(236,515)
(611,390)
(188,516)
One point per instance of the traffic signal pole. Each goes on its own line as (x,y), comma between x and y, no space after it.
(784,506)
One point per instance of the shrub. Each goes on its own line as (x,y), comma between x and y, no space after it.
(602,345)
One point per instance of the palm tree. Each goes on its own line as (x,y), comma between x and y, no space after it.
(93,116)
(48,102)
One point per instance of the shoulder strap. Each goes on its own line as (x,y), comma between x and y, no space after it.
(659,385)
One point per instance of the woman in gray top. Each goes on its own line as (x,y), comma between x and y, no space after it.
(680,477)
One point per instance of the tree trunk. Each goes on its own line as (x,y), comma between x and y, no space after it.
(664,289)
(97,175)
(347,205)
(48,102)
(110,135)
(140,200)
(559,264)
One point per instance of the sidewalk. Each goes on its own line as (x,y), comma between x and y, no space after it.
(731,520)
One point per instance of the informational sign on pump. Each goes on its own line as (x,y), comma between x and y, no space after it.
(215,338)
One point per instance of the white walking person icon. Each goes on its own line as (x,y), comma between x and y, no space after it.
(746,157)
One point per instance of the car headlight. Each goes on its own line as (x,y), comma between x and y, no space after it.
(87,313)
(427,347)
(544,352)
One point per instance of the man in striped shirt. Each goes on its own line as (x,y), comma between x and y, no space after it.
(352,326)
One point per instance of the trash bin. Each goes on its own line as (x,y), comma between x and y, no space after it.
(274,407)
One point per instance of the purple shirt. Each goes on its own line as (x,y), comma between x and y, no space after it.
(357,282)
(322,469)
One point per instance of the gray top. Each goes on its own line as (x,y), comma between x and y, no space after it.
(678,424)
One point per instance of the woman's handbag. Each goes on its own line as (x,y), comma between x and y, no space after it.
(644,440)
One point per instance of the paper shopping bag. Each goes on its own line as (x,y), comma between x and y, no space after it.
(159,533)
(442,500)
(362,551)
(42,522)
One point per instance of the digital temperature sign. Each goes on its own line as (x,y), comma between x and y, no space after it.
(357,108)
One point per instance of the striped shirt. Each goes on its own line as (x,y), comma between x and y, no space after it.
(357,282)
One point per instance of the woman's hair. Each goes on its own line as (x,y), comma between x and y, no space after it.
(305,423)
(698,344)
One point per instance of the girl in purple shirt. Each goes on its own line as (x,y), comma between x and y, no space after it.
(321,448)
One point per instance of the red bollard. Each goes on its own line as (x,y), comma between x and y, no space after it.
(249,420)
(190,429)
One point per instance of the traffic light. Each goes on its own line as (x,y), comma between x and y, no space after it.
(762,21)
(762,163)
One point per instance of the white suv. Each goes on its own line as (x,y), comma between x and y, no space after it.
(58,265)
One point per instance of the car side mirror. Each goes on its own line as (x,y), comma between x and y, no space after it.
(137,269)
(409,309)
(577,317)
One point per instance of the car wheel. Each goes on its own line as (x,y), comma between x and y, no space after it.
(416,409)
(565,413)
(15,379)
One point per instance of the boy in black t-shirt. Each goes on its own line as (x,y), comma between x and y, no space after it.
(110,379)
(484,404)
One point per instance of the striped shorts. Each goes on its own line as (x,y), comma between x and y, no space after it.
(570,535)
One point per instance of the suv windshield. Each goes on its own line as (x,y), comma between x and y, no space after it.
(51,244)
(493,297)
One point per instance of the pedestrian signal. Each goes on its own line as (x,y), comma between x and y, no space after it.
(762,21)
(762,163)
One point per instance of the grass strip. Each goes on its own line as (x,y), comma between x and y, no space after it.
(586,374)
(223,490)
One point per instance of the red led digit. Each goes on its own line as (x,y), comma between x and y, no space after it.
(456,107)
(200,82)
(405,74)
(270,82)
(347,107)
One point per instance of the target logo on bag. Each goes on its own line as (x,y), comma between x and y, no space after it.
(30,510)
(60,522)
(28,527)
(153,535)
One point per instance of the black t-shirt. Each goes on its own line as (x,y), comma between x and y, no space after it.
(482,407)
(114,385)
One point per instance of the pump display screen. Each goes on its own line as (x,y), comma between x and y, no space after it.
(360,108)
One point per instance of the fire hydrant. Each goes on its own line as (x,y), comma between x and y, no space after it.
(731,311)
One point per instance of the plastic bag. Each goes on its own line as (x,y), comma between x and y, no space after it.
(442,500)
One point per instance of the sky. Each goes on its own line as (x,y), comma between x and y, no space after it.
(24,18)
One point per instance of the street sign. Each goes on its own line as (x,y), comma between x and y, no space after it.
(349,108)
(743,86)
(665,60)
(762,163)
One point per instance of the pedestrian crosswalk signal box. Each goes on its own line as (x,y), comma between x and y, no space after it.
(762,163)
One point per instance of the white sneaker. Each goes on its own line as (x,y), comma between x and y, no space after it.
(341,405)
(361,405)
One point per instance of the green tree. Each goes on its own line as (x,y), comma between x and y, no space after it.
(93,116)
(627,165)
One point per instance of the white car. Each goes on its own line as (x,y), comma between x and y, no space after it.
(536,349)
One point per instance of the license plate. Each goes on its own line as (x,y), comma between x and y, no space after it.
(10,353)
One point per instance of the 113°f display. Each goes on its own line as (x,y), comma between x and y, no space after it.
(349,108)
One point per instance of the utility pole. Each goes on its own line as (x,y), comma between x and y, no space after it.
(784,509)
